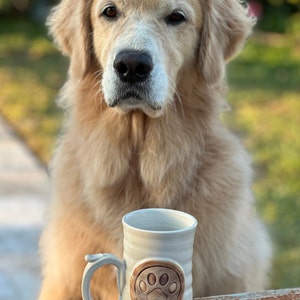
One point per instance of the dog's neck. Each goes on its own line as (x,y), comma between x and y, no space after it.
(159,156)
(138,127)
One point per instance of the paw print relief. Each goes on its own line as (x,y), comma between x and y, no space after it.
(157,280)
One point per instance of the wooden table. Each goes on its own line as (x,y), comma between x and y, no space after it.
(288,294)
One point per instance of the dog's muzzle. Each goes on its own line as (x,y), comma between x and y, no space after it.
(133,69)
(135,79)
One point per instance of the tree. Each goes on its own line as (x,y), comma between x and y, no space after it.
(275,14)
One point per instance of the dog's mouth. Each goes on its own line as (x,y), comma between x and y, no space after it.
(133,100)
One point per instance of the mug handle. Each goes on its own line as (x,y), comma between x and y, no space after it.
(96,261)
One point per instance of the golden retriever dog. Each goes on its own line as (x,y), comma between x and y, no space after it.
(144,95)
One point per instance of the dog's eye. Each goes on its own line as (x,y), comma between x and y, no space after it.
(176,18)
(110,12)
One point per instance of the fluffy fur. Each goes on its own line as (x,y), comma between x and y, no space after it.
(168,150)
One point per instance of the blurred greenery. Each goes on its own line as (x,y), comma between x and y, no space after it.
(274,15)
(31,72)
(265,95)
(265,98)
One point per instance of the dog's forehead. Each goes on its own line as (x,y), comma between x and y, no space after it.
(143,3)
(153,5)
(193,8)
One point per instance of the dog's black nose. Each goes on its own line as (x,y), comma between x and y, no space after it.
(133,66)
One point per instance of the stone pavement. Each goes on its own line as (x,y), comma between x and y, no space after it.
(24,190)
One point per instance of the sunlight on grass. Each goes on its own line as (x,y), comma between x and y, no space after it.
(287,266)
(29,109)
(31,74)
(265,96)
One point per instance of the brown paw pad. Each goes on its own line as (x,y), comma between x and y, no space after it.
(157,281)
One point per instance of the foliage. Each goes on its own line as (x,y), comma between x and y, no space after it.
(31,72)
(280,2)
(264,94)
(274,15)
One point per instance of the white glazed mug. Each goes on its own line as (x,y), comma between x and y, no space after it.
(158,250)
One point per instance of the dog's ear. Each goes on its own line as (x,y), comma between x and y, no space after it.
(69,24)
(226,25)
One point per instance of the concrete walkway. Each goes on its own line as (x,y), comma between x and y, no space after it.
(24,190)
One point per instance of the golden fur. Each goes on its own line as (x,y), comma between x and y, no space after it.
(114,160)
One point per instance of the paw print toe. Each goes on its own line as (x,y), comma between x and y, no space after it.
(173,288)
(151,279)
(143,286)
(164,278)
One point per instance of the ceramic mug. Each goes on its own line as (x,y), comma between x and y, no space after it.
(158,250)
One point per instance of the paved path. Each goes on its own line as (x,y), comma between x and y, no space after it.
(24,190)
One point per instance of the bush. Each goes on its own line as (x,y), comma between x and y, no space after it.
(273,15)
(35,9)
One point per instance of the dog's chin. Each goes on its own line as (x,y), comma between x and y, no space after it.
(151,109)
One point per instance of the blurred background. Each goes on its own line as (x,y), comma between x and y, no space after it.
(264,94)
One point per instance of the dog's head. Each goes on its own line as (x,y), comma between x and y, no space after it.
(144,48)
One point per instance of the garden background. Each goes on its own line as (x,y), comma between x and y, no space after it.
(264,94)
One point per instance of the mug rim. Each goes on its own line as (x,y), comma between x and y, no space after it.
(191,221)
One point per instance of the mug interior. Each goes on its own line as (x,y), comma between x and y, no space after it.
(159,220)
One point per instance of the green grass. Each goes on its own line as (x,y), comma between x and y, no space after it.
(264,94)
(31,73)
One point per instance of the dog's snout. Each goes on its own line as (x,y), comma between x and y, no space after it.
(133,66)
